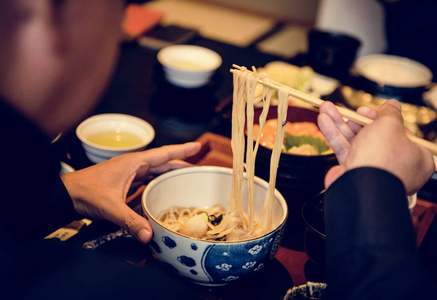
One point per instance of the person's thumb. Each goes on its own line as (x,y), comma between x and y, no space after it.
(391,108)
(135,224)
(333,174)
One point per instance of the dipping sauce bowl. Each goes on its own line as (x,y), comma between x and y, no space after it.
(107,135)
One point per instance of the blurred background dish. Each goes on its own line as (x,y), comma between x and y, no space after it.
(304,79)
(211,263)
(391,76)
(331,53)
(107,135)
(307,291)
(324,85)
(299,78)
(189,66)
(419,119)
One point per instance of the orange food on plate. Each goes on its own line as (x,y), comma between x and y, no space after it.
(312,142)
(267,138)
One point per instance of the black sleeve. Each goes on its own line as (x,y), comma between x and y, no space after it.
(60,202)
(371,250)
(34,215)
(34,200)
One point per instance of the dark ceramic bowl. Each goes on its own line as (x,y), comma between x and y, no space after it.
(331,53)
(299,177)
(315,237)
(391,76)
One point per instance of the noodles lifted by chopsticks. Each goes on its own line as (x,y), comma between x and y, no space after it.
(239,222)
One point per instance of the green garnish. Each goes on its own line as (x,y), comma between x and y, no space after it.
(295,141)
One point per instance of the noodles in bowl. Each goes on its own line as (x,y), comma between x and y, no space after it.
(209,262)
(206,212)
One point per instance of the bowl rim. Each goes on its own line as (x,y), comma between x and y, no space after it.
(116,116)
(162,58)
(338,34)
(226,170)
(303,213)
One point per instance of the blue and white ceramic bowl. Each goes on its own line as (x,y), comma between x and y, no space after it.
(206,262)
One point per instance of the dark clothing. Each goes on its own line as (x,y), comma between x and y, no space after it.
(371,249)
(34,201)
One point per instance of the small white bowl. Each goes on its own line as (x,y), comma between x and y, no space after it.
(123,133)
(211,263)
(188,66)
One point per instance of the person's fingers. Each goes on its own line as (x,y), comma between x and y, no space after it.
(133,223)
(392,109)
(171,165)
(153,158)
(354,126)
(390,114)
(159,156)
(331,110)
(366,112)
(146,174)
(338,142)
(333,174)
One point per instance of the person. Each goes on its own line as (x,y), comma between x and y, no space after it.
(56,58)
(371,250)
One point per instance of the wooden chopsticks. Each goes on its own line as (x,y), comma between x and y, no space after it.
(345,112)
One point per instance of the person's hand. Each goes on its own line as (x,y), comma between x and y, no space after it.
(100,191)
(383,144)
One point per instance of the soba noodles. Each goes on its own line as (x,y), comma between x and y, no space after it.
(233,223)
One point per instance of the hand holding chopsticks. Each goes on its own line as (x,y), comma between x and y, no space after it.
(346,113)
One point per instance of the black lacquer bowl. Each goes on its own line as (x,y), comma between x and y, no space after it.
(315,237)
(299,177)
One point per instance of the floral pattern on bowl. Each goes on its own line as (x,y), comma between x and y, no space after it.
(218,263)
(209,262)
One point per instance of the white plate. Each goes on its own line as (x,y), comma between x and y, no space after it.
(324,85)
